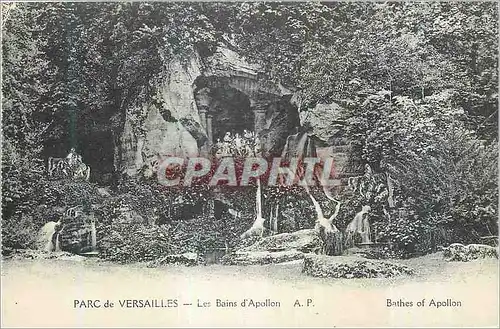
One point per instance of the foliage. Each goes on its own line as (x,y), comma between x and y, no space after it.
(446,177)
(296,210)
(90,61)
(461,253)
(46,201)
(176,218)
(18,232)
(137,241)
(454,187)
(330,51)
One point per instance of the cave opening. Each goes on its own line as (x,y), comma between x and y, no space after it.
(230,112)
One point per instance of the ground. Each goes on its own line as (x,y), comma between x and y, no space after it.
(42,293)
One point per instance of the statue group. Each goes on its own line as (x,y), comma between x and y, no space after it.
(71,167)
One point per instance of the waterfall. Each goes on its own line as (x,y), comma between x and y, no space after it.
(58,246)
(365,231)
(45,236)
(93,234)
(258,201)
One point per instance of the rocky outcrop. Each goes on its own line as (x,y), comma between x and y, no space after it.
(187,108)
(187,258)
(277,248)
(461,253)
(351,267)
(307,240)
(177,134)
(261,257)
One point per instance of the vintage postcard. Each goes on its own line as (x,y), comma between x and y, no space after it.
(249,164)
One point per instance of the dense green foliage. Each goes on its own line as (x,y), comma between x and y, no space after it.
(417,83)
(446,178)
(331,51)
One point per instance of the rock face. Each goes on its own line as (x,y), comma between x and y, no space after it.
(461,253)
(351,267)
(148,132)
(157,138)
(195,104)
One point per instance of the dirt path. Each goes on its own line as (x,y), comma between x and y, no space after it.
(41,293)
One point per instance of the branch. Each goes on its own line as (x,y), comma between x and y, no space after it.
(489,117)
(6,11)
(44,129)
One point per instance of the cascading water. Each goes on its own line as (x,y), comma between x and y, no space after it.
(360,225)
(45,237)
(58,246)
(93,233)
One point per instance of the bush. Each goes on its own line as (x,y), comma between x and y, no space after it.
(131,242)
(140,242)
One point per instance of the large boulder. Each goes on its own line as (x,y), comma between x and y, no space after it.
(462,253)
(307,240)
(351,267)
(261,257)
(277,248)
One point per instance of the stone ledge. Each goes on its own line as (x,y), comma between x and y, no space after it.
(351,267)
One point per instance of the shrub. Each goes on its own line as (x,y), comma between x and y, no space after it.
(131,242)
(454,187)
(446,178)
